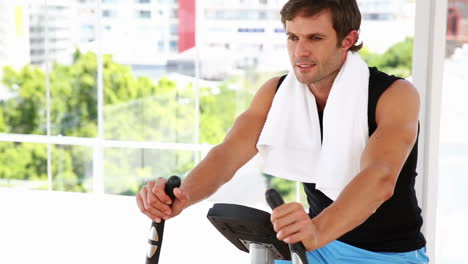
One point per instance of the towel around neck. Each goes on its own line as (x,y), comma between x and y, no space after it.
(290,143)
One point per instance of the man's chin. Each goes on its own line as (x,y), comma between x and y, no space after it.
(304,80)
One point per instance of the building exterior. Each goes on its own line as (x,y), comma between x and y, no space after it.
(234,35)
(381,9)
(14,34)
(457,20)
(51,30)
(135,32)
(457,25)
(158,36)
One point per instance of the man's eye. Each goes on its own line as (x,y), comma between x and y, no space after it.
(292,38)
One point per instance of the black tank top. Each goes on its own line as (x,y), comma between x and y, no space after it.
(396,225)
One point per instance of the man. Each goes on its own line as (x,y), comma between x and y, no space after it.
(370,216)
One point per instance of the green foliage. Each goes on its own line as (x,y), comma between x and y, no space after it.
(397,60)
(220,105)
(25,160)
(24,114)
(136,109)
(286,188)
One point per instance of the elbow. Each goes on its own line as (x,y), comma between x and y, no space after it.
(387,191)
(385,182)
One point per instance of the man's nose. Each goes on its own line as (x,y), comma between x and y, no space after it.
(302,50)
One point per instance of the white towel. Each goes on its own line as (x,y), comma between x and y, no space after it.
(290,144)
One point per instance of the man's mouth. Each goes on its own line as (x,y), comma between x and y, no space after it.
(304,65)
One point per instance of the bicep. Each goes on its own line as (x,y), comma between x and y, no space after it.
(397,129)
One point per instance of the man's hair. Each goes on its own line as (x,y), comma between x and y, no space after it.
(346,16)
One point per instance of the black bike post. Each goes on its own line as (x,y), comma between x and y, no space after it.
(156,232)
(298,252)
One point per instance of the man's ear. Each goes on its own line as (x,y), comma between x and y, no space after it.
(349,40)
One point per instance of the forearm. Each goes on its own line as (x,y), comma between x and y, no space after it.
(357,202)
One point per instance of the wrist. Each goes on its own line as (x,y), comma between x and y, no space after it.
(316,239)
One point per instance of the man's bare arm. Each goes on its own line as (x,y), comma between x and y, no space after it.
(238,147)
(381,162)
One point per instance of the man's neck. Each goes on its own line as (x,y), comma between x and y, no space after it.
(321,90)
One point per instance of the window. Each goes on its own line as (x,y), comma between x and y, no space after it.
(174,29)
(145,99)
(173,45)
(453,148)
(144,14)
(108,13)
(161,45)
(174,13)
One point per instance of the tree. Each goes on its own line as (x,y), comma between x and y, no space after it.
(397,60)
(135,109)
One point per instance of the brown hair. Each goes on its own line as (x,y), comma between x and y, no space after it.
(345,15)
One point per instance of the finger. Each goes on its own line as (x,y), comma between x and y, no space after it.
(158,211)
(293,230)
(285,209)
(181,195)
(143,196)
(180,203)
(145,191)
(305,235)
(151,203)
(141,206)
(156,206)
(294,238)
(158,190)
(289,219)
(139,201)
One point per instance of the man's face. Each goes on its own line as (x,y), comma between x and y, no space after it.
(313,48)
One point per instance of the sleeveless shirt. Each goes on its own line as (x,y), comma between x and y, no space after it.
(396,224)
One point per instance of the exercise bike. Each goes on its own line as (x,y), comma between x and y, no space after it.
(248,229)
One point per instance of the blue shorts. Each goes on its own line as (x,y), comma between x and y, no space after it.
(341,253)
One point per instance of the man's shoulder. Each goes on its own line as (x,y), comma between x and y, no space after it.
(381,83)
(400,99)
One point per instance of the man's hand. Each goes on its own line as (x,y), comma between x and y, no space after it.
(293,224)
(156,204)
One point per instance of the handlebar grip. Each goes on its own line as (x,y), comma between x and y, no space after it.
(172,182)
(157,230)
(274,199)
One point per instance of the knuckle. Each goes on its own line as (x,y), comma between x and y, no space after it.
(160,181)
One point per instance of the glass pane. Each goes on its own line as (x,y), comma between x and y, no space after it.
(72,168)
(72,51)
(127,170)
(452,212)
(149,95)
(241,45)
(22,79)
(392,55)
(24,165)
